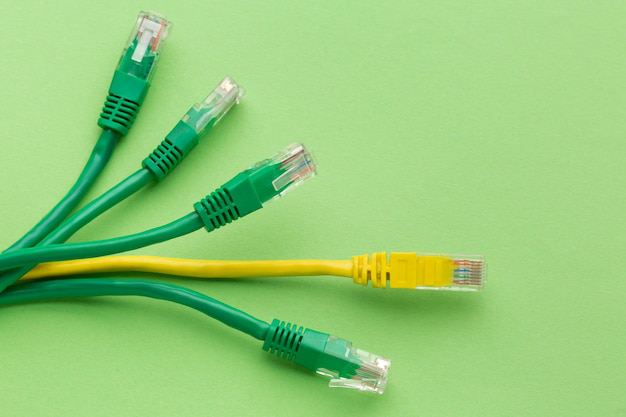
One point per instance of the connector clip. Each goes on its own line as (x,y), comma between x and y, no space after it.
(362,370)
(207,113)
(276,176)
(144,46)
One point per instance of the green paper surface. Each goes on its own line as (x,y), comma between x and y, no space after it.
(493,127)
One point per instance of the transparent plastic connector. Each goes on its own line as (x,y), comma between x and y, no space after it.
(452,272)
(297,165)
(470,272)
(145,45)
(276,176)
(210,111)
(357,369)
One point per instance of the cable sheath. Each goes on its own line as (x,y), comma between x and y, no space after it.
(193,268)
(97,161)
(60,252)
(114,196)
(48,290)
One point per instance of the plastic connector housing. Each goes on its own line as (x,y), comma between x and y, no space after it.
(429,271)
(331,356)
(250,189)
(131,79)
(145,45)
(357,368)
(207,113)
(195,123)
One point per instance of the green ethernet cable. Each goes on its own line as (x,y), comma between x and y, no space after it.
(172,150)
(243,194)
(331,356)
(131,81)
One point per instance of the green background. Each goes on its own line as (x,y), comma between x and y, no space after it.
(493,127)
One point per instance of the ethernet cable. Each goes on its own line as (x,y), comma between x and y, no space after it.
(331,356)
(243,194)
(167,156)
(128,89)
(434,271)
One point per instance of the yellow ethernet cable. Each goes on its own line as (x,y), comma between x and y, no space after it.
(433,271)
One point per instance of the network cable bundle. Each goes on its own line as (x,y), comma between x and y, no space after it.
(41,258)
